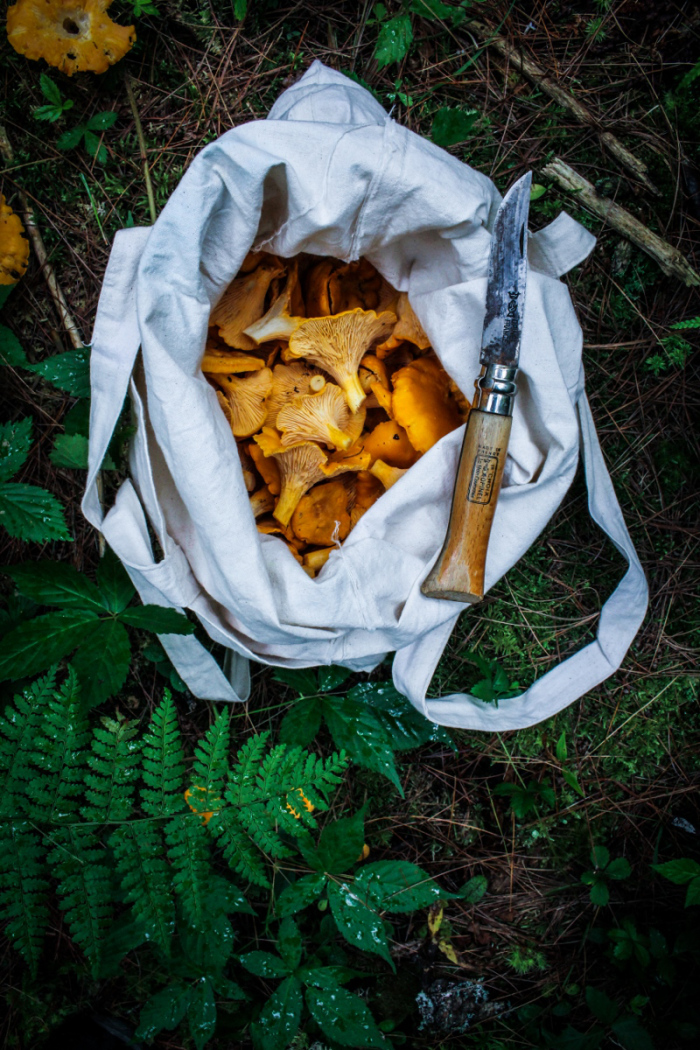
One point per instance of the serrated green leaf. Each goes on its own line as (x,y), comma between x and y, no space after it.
(114,583)
(304,681)
(69,371)
(339,845)
(264,964)
(300,894)
(474,889)
(301,723)
(93,147)
(631,1034)
(43,641)
(600,894)
(102,121)
(278,1022)
(397,886)
(56,583)
(165,1009)
(600,857)
(331,678)
(678,871)
(394,40)
(358,921)
(451,126)
(157,618)
(71,451)
(601,1006)
(102,662)
(201,1012)
(355,729)
(11,352)
(31,513)
(15,443)
(405,727)
(50,90)
(71,138)
(618,869)
(343,1017)
(289,944)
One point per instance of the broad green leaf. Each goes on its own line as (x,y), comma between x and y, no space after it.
(48,113)
(69,371)
(693,894)
(94,147)
(300,894)
(601,1006)
(451,126)
(157,618)
(432,9)
(618,869)
(631,1034)
(264,964)
(43,641)
(326,976)
(600,894)
(56,583)
(572,780)
(339,845)
(397,886)
(77,420)
(678,871)
(355,729)
(405,727)
(71,451)
(474,889)
(537,191)
(71,138)
(289,943)
(102,121)
(50,90)
(201,1012)
(278,1022)
(301,723)
(113,582)
(343,1017)
(303,682)
(31,513)
(560,749)
(357,921)
(102,661)
(600,857)
(331,678)
(11,352)
(240,9)
(15,443)
(165,1009)
(395,37)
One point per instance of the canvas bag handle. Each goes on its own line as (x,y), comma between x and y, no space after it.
(115,346)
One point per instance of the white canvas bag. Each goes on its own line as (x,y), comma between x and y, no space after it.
(331,174)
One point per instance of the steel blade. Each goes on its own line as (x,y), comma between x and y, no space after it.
(505,293)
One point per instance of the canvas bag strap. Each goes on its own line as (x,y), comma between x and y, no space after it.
(620,619)
(115,346)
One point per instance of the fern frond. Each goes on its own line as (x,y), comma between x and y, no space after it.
(24,888)
(210,766)
(146,878)
(85,888)
(260,824)
(18,732)
(163,765)
(113,760)
(190,856)
(237,847)
(690,322)
(245,771)
(59,755)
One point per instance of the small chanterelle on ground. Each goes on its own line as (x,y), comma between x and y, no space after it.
(331,389)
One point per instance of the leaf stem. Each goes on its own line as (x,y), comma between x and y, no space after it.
(142,146)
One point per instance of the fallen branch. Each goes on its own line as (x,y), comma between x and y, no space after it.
(560,95)
(40,251)
(671,261)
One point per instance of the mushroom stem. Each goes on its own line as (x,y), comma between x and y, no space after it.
(352,388)
(386,474)
(291,493)
(338,438)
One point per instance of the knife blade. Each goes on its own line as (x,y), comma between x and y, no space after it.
(458,574)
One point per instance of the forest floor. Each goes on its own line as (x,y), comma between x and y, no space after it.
(624,762)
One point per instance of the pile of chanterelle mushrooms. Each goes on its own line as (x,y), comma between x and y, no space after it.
(331,389)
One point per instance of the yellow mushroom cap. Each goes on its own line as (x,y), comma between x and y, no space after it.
(315,560)
(389,441)
(408,328)
(355,284)
(246,400)
(278,322)
(242,303)
(320,417)
(338,344)
(262,502)
(75,36)
(422,403)
(14,246)
(322,515)
(288,383)
(368,489)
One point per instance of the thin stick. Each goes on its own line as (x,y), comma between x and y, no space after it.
(584,115)
(671,261)
(142,147)
(40,252)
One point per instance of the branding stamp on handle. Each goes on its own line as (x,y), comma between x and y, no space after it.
(483,476)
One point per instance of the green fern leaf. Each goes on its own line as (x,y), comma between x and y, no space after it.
(190,856)
(18,731)
(210,766)
(113,761)
(59,755)
(239,850)
(85,888)
(24,888)
(690,322)
(163,762)
(146,879)
(242,781)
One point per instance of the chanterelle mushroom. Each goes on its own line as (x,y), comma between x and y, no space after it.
(242,303)
(320,417)
(322,516)
(279,322)
(422,404)
(288,383)
(408,328)
(338,344)
(389,441)
(75,36)
(219,362)
(386,474)
(14,246)
(246,400)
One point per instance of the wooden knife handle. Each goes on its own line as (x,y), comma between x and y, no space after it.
(458,574)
